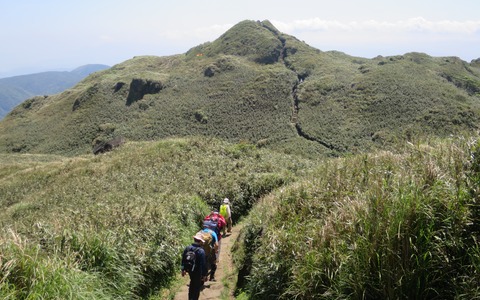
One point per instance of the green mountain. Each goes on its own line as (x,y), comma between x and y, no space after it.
(397,224)
(14,90)
(259,85)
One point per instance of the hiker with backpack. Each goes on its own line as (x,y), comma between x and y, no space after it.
(194,263)
(217,224)
(211,250)
(226,213)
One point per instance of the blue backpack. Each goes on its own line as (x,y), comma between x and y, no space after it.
(210,224)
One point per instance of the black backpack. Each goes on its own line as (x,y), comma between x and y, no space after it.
(190,259)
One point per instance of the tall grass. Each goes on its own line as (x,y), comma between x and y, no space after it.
(117,223)
(376,226)
(26,273)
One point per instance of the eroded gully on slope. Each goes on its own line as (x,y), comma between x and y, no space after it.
(296,100)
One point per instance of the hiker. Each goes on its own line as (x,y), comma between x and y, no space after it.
(211,251)
(218,223)
(226,213)
(194,263)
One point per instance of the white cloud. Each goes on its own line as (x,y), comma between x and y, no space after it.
(418,24)
(369,38)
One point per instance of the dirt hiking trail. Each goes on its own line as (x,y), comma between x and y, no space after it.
(224,285)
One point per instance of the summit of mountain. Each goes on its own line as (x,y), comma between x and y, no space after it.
(255,84)
(258,41)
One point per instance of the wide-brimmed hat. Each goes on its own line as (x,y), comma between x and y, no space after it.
(226,200)
(199,237)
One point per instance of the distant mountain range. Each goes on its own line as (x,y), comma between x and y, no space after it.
(16,89)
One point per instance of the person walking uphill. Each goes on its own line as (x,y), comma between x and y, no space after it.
(226,212)
(218,223)
(211,250)
(194,263)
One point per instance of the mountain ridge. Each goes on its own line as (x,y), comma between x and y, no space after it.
(259,85)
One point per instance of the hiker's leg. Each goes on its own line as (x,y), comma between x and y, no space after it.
(211,262)
(212,272)
(195,287)
(229,224)
(218,252)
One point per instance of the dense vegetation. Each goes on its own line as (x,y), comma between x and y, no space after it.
(16,89)
(113,226)
(384,225)
(401,224)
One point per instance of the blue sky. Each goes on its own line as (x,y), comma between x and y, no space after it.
(41,35)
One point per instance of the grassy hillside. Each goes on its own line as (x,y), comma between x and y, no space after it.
(383,99)
(113,226)
(385,225)
(188,103)
(259,85)
(16,89)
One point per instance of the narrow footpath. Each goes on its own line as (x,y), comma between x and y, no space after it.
(224,285)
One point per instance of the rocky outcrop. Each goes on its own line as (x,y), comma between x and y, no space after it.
(140,87)
(103,147)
